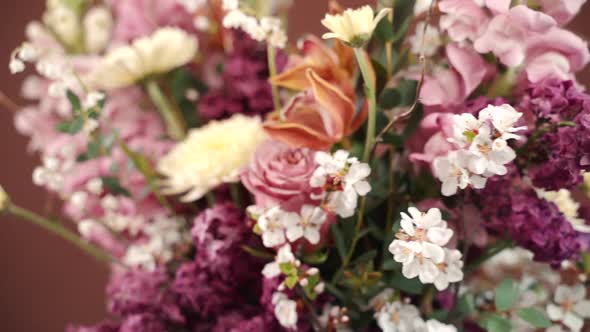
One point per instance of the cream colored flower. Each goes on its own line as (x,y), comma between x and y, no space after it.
(353,26)
(567,206)
(3,199)
(164,50)
(210,155)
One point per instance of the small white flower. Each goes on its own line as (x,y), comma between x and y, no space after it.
(503,118)
(234,19)
(308,226)
(571,306)
(140,255)
(451,269)
(425,43)
(79,199)
(16,66)
(465,128)
(284,255)
(452,171)
(285,310)
(95,186)
(109,203)
(343,179)
(354,26)
(489,156)
(272,224)
(93,98)
(398,317)
(202,23)
(426,227)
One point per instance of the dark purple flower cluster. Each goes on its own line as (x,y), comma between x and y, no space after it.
(245,88)
(512,208)
(563,153)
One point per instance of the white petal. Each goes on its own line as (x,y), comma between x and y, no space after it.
(439,235)
(449,187)
(434,252)
(362,187)
(574,322)
(582,308)
(312,234)
(555,313)
(294,233)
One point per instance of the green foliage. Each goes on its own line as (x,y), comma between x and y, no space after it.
(505,294)
(113,186)
(71,127)
(181,82)
(316,257)
(534,317)
(495,323)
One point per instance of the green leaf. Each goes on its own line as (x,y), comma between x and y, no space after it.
(412,286)
(384,31)
(291,281)
(407,90)
(495,323)
(534,317)
(365,257)
(74,101)
(413,122)
(288,269)
(466,304)
(316,257)
(258,253)
(506,294)
(71,127)
(339,239)
(389,98)
(113,186)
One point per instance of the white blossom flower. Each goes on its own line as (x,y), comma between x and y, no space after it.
(571,306)
(284,255)
(308,225)
(272,224)
(465,128)
(425,43)
(503,118)
(432,325)
(354,26)
(167,48)
(451,269)
(452,171)
(419,248)
(398,317)
(489,156)
(210,155)
(285,310)
(95,186)
(343,179)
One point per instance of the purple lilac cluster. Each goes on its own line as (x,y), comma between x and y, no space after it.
(245,88)
(220,290)
(563,152)
(510,206)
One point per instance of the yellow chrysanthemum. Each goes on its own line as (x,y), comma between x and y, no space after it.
(211,155)
(353,26)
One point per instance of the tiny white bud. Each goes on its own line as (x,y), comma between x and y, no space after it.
(201,23)
(79,199)
(16,66)
(40,176)
(319,288)
(95,186)
(109,203)
(304,282)
(51,163)
(313,271)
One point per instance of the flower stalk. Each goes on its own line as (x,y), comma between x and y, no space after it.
(371,98)
(173,119)
(272,68)
(58,229)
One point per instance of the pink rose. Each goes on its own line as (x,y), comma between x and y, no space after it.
(561,10)
(280,174)
(136,18)
(507,34)
(453,86)
(557,53)
(463,19)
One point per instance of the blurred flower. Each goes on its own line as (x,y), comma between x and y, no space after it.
(353,26)
(561,10)
(285,310)
(164,50)
(316,118)
(507,33)
(307,225)
(566,205)
(425,43)
(397,316)
(463,20)
(571,306)
(210,155)
(98,23)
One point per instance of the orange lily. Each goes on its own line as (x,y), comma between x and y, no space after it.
(317,117)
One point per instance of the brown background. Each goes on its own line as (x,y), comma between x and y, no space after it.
(44,282)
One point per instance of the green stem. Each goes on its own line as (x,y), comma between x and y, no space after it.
(272,68)
(174,122)
(370,94)
(236,194)
(359,225)
(59,230)
(389,45)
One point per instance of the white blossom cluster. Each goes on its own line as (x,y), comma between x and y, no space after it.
(267,29)
(343,179)
(284,257)
(402,316)
(278,226)
(335,318)
(51,173)
(419,247)
(569,309)
(483,148)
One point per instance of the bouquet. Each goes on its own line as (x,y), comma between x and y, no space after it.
(422,166)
